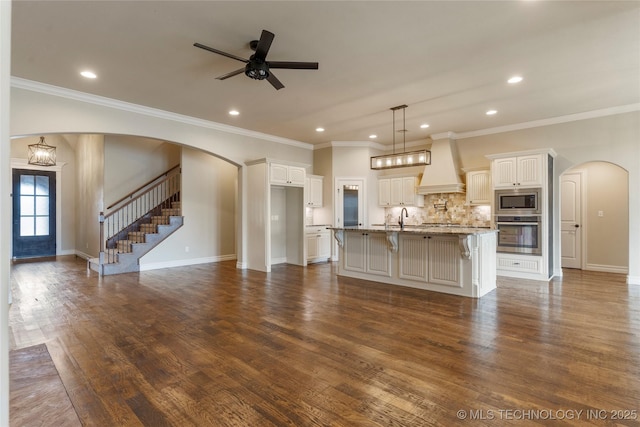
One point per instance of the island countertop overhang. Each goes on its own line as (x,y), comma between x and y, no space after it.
(420,229)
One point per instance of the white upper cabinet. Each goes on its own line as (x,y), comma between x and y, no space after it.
(384,192)
(479,187)
(399,191)
(313,191)
(519,171)
(287,175)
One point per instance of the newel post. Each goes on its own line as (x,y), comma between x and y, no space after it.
(102,243)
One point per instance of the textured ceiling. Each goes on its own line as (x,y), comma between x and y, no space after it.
(448,61)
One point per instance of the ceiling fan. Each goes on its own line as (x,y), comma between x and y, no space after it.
(258,67)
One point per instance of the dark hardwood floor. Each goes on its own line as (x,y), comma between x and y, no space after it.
(213,345)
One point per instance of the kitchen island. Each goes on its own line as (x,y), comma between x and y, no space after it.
(454,260)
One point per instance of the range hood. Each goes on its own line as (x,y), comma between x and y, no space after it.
(441,176)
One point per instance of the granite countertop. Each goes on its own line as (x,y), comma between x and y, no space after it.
(422,229)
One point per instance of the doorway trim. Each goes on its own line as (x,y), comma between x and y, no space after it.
(23,164)
(339,181)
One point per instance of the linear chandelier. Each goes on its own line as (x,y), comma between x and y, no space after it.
(405,158)
(41,154)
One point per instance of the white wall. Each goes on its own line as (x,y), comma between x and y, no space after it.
(5,205)
(130,162)
(209,191)
(89,193)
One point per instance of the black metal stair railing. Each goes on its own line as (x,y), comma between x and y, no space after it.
(138,207)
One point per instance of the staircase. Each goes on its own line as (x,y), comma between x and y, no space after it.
(143,219)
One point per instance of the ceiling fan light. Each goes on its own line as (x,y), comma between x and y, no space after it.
(257,70)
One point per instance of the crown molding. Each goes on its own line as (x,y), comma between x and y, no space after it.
(611,111)
(360,144)
(444,135)
(75,95)
(366,144)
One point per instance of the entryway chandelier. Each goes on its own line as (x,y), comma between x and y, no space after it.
(404,159)
(41,154)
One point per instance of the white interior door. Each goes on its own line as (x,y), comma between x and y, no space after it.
(571,219)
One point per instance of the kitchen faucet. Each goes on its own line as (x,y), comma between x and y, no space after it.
(406,214)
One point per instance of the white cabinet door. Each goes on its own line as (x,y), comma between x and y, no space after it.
(399,191)
(296,175)
(412,257)
(367,253)
(314,192)
(384,192)
(444,260)
(312,246)
(377,254)
(479,188)
(287,175)
(530,171)
(318,243)
(279,173)
(504,172)
(396,192)
(409,195)
(521,171)
(354,251)
(324,245)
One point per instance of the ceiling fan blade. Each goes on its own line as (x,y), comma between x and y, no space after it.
(263,45)
(219,52)
(231,74)
(274,82)
(294,65)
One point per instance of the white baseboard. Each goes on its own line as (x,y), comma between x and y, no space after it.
(241,265)
(607,268)
(185,262)
(633,280)
(82,254)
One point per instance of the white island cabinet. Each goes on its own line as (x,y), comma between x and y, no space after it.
(459,261)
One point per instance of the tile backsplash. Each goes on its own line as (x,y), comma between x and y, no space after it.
(448,208)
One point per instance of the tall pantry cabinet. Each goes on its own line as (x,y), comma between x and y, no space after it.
(520,170)
(275,213)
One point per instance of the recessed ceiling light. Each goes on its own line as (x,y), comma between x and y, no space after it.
(514,79)
(88,74)
(424,126)
(319,129)
(491,112)
(373,136)
(234,112)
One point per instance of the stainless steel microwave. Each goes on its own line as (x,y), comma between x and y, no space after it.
(518,202)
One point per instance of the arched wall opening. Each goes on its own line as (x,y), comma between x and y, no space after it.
(594,217)
(98,169)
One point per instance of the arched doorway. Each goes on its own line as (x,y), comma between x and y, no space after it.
(594,217)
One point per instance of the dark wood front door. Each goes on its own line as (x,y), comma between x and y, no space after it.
(34,213)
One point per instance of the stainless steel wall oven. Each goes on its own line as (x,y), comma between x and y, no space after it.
(519,234)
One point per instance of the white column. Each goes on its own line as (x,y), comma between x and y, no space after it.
(5,205)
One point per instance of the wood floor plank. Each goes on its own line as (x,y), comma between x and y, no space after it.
(213,345)
(37,393)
